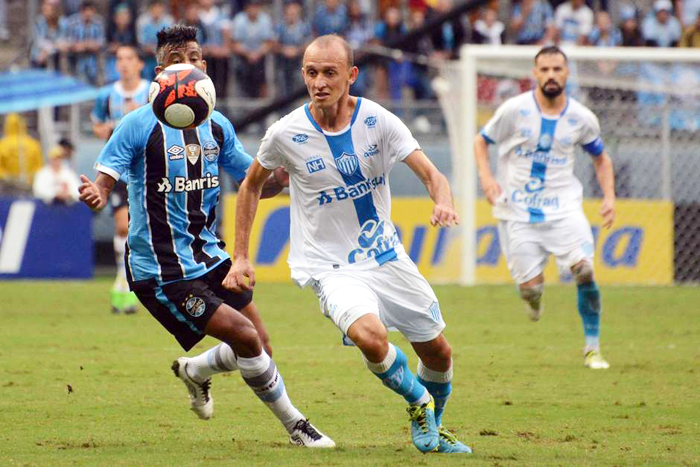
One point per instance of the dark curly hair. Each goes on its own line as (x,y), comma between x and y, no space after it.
(174,36)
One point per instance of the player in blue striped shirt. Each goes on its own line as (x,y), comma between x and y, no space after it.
(175,261)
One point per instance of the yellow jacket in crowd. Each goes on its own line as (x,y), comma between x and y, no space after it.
(20,154)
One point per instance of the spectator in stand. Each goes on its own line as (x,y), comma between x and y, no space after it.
(661,29)
(293,34)
(56,182)
(68,148)
(147,26)
(687,11)
(629,27)
(392,75)
(448,39)
(488,29)
(605,34)
(4,31)
(47,35)
(71,7)
(691,36)
(573,21)
(119,33)
(253,36)
(216,48)
(84,38)
(533,22)
(360,33)
(190,17)
(331,18)
(20,154)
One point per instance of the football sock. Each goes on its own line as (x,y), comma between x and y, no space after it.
(395,375)
(120,282)
(260,373)
(219,359)
(438,384)
(589,309)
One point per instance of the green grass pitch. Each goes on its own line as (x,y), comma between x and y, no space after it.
(81,386)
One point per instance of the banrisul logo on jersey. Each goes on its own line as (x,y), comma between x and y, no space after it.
(183,185)
(301,138)
(351,191)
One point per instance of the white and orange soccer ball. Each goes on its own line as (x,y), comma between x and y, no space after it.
(182,96)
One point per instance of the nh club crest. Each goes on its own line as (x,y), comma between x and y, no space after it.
(347,164)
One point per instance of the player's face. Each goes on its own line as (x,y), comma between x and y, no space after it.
(551,73)
(128,63)
(190,54)
(327,75)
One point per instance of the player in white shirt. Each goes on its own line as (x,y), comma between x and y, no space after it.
(338,152)
(536,196)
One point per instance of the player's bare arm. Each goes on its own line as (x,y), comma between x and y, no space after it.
(95,194)
(246,207)
(438,187)
(492,189)
(274,184)
(103,130)
(606,179)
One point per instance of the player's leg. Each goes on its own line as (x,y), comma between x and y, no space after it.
(261,374)
(521,245)
(410,305)
(122,300)
(352,305)
(572,244)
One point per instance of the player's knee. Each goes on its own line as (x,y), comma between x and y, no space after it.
(583,272)
(372,341)
(531,293)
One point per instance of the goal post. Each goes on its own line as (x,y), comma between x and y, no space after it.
(648,104)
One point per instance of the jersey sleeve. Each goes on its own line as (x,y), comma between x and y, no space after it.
(100,113)
(500,126)
(115,157)
(233,159)
(400,143)
(590,138)
(269,156)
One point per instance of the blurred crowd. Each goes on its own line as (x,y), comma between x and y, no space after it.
(252,53)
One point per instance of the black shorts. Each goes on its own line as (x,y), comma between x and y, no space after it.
(119,198)
(185,307)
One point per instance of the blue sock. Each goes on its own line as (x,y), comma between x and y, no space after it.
(395,375)
(589,309)
(439,385)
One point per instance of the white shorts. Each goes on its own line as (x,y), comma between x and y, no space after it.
(395,292)
(527,246)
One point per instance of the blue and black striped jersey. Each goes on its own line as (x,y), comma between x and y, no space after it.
(173,192)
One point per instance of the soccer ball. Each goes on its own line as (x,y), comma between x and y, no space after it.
(182,96)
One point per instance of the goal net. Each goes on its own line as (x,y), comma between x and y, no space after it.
(648,104)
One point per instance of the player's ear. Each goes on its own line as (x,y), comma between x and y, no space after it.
(204,66)
(354,71)
(158,69)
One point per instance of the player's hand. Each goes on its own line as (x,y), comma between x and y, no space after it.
(607,211)
(444,216)
(235,279)
(281,176)
(90,194)
(492,189)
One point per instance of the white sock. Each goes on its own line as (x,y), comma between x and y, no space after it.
(120,282)
(219,359)
(260,373)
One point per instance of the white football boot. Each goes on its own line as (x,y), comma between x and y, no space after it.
(201,401)
(305,434)
(594,360)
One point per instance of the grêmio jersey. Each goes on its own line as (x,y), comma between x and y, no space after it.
(339,188)
(536,158)
(173,192)
(113,101)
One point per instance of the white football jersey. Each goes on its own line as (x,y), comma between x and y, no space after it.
(536,158)
(339,188)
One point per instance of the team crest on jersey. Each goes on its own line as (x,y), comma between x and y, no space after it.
(347,163)
(195,306)
(192,151)
(210,150)
(301,138)
(371,151)
(525,132)
(545,141)
(176,152)
(525,112)
(371,121)
(572,121)
(315,165)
